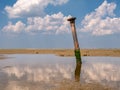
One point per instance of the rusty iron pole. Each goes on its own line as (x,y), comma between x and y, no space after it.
(76,44)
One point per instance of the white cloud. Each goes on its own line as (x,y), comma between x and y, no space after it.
(18,27)
(102,21)
(53,24)
(31,8)
(56,23)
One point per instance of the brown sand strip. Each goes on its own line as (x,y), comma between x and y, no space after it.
(64,52)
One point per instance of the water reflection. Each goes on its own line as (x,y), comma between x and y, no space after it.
(41,74)
(78,70)
(101,71)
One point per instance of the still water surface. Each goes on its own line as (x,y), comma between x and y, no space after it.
(50,72)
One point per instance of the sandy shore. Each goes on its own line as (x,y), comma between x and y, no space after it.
(64,52)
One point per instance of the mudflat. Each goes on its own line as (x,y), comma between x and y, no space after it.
(64,52)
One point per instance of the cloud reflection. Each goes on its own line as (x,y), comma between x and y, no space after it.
(91,72)
(96,71)
(100,72)
(38,74)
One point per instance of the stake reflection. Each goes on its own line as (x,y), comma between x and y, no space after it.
(78,70)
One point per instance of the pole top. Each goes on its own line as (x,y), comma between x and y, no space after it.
(72,19)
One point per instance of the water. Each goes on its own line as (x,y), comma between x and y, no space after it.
(50,72)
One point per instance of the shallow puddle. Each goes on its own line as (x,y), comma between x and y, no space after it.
(50,72)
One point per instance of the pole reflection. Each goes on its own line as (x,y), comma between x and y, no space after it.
(78,70)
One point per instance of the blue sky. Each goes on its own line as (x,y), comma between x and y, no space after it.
(43,23)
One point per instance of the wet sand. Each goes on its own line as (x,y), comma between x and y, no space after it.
(77,86)
(64,52)
(2,57)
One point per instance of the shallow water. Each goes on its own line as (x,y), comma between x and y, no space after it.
(50,72)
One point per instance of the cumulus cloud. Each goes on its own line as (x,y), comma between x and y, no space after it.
(31,8)
(53,24)
(102,21)
(56,23)
(18,27)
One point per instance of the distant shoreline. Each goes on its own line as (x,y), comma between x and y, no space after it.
(64,52)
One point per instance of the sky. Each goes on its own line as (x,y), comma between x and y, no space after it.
(43,23)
